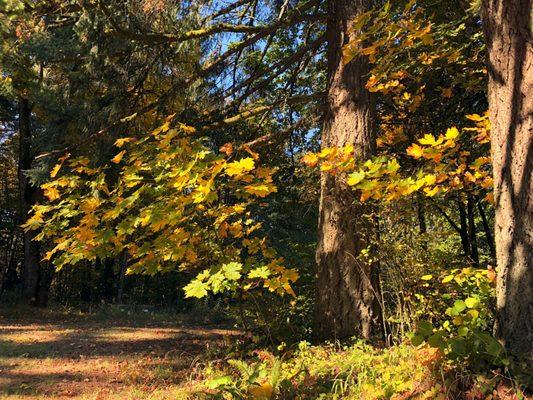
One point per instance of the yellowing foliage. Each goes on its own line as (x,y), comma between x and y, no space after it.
(444,166)
(165,211)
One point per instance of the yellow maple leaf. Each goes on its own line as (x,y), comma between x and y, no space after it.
(475,117)
(310,159)
(122,141)
(428,139)
(90,205)
(430,192)
(452,133)
(51,192)
(118,157)
(415,151)
(261,190)
(85,234)
(55,170)
(240,167)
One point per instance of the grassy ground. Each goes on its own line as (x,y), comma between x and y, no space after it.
(56,355)
(136,354)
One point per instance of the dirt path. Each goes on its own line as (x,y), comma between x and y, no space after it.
(46,357)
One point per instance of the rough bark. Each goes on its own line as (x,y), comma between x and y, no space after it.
(507,26)
(347,285)
(28,196)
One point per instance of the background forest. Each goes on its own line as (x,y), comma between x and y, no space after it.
(346,183)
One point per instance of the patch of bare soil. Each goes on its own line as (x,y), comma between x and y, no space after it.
(80,358)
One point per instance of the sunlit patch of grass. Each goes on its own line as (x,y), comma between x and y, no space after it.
(66,356)
(22,336)
(135,334)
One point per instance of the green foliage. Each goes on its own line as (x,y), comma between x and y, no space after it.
(331,372)
(455,314)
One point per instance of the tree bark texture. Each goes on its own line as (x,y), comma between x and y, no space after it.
(347,295)
(507,26)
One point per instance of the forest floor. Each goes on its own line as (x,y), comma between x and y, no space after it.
(53,355)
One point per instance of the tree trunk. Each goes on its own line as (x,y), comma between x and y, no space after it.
(421,214)
(28,197)
(472,233)
(507,26)
(487,229)
(9,276)
(347,284)
(463,230)
(123,266)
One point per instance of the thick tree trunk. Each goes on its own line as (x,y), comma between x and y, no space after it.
(507,26)
(347,284)
(28,197)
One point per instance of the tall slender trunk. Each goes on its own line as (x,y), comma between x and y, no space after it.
(28,197)
(507,26)
(347,299)
(421,214)
(9,275)
(472,233)
(487,229)
(123,266)
(463,230)
(422,224)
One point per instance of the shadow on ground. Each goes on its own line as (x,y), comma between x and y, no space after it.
(45,356)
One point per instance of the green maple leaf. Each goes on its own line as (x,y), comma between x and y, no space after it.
(232,270)
(196,289)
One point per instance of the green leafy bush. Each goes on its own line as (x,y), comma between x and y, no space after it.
(456,315)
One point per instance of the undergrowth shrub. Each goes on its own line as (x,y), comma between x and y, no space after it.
(357,371)
(455,313)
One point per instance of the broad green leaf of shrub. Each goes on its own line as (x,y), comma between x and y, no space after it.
(472,302)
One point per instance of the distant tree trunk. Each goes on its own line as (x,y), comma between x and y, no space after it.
(421,214)
(422,224)
(507,26)
(28,197)
(123,266)
(463,229)
(347,285)
(8,274)
(487,229)
(107,279)
(46,275)
(472,233)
